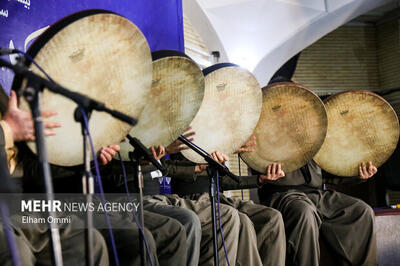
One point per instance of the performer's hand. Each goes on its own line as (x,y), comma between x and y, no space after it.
(107,153)
(367,173)
(248,146)
(21,122)
(200,168)
(158,152)
(274,172)
(219,157)
(177,146)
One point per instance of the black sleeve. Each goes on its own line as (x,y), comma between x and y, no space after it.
(328,178)
(246,182)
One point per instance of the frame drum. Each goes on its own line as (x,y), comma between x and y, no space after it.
(362,127)
(291,129)
(229,112)
(99,54)
(175,97)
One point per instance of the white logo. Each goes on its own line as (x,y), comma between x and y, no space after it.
(26,3)
(4,13)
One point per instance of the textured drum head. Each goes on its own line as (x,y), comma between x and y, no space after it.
(101,55)
(362,127)
(175,97)
(229,112)
(291,129)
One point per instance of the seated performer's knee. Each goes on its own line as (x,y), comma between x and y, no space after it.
(149,239)
(363,209)
(303,214)
(230,219)
(275,219)
(151,244)
(245,220)
(100,249)
(180,231)
(193,224)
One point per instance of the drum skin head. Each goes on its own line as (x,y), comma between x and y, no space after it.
(362,127)
(101,55)
(229,111)
(291,129)
(175,97)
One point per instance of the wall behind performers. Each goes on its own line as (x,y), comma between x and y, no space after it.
(344,59)
(21,21)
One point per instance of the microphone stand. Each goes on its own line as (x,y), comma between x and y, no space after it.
(140,153)
(214,170)
(9,233)
(7,187)
(135,159)
(87,183)
(32,94)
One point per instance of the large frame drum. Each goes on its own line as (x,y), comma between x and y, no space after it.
(230,110)
(362,127)
(99,54)
(175,96)
(291,129)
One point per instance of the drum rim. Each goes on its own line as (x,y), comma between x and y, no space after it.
(366,92)
(298,85)
(358,91)
(174,54)
(184,58)
(291,83)
(215,67)
(165,53)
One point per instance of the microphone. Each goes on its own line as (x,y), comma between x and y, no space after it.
(148,156)
(207,157)
(7,51)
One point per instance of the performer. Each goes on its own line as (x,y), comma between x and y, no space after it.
(264,242)
(166,237)
(308,210)
(68,180)
(33,240)
(200,226)
(114,183)
(230,221)
(346,223)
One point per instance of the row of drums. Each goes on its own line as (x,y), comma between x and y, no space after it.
(105,56)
